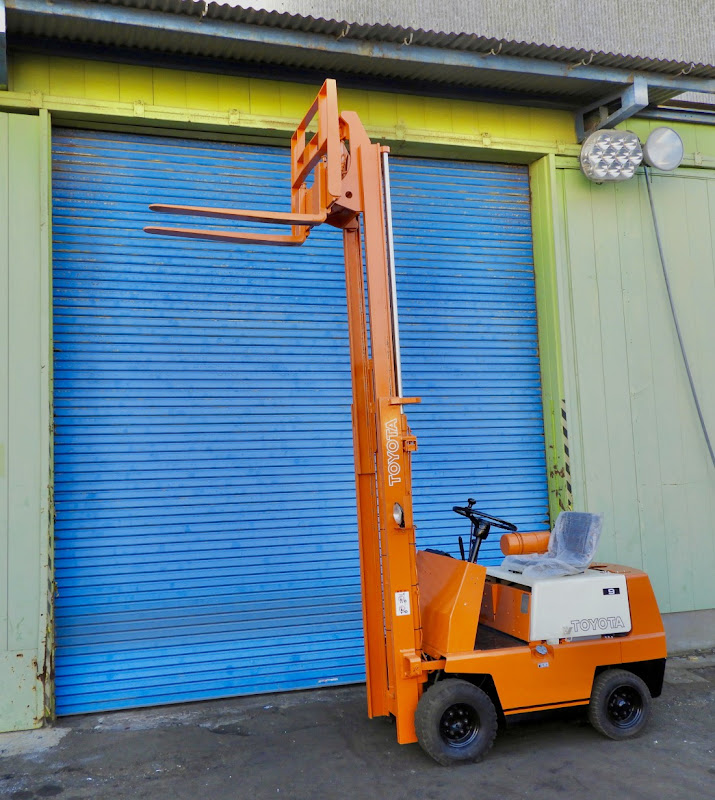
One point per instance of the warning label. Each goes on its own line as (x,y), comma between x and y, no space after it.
(402,604)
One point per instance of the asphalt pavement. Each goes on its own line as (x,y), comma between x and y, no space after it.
(320,745)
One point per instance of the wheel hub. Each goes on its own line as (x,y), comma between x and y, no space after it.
(624,707)
(459,725)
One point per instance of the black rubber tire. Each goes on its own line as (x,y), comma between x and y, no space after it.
(620,704)
(456,722)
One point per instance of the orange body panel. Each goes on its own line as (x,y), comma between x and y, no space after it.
(517,544)
(646,640)
(563,675)
(450,595)
(506,608)
(526,680)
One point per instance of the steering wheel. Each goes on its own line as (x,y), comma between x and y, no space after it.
(474,515)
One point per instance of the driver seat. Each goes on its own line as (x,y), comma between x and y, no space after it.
(572,545)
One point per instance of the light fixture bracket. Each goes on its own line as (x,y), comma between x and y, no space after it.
(609,111)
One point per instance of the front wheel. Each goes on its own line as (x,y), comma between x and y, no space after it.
(456,722)
(620,704)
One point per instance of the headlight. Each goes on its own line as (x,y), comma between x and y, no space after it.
(399,515)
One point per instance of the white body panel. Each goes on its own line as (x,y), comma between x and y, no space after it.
(582,606)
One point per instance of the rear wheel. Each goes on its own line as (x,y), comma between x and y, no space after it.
(456,722)
(620,704)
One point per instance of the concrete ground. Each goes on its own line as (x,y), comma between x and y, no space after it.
(320,744)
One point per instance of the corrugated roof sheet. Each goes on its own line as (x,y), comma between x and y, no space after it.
(225,42)
(629,35)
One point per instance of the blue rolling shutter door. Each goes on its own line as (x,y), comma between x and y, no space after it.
(204,485)
(465,278)
(205,531)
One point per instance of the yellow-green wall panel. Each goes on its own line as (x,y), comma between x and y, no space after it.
(288,100)
(169,88)
(25,370)
(29,71)
(544,217)
(136,84)
(101,81)
(468,119)
(642,459)
(490,120)
(411,111)
(416,116)
(202,91)
(234,92)
(697,139)
(381,110)
(437,111)
(355,99)
(517,123)
(4,372)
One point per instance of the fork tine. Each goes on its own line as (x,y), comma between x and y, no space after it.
(276,217)
(227,236)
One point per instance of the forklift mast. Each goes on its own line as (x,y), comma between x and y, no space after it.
(338,176)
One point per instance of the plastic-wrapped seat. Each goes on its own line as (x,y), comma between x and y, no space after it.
(572,545)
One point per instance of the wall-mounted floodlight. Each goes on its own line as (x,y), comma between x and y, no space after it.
(610,155)
(663,149)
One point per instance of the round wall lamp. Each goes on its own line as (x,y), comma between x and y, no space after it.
(610,155)
(613,155)
(663,149)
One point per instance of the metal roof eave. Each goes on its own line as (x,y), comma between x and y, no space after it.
(172,32)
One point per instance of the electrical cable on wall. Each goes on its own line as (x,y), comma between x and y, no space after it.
(648,180)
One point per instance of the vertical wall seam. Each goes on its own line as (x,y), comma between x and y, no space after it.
(46,643)
(4,386)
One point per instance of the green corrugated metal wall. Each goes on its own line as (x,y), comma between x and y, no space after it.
(637,451)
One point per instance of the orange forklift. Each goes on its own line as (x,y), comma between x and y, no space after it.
(451,647)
